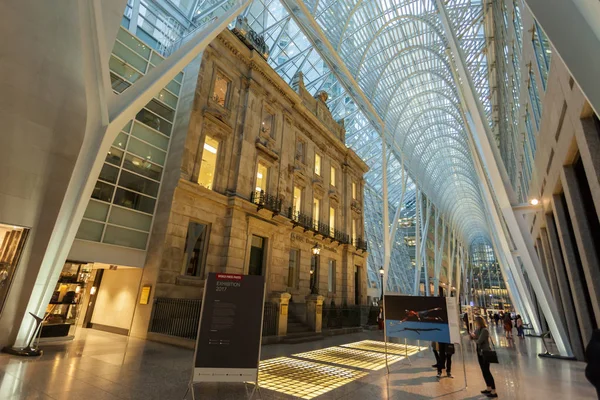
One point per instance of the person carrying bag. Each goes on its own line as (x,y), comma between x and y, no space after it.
(485,355)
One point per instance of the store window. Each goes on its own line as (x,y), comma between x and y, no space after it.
(316,211)
(267,126)
(195,249)
(292,280)
(297,201)
(300,151)
(332,176)
(331,221)
(262,174)
(12,240)
(221,90)
(354,190)
(317,164)
(208,167)
(331,276)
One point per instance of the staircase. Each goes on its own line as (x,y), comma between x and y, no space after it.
(298,332)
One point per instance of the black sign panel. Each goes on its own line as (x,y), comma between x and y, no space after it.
(231,322)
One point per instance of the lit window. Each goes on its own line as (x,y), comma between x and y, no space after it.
(262,173)
(300,150)
(354,190)
(332,177)
(206,177)
(221,90)
(297,200)
(293,268)
(354,231)
(267,124)
(331,221)
(317,164)
(331,277)
(315,212)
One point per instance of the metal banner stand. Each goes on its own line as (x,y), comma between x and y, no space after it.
(406,352)
(462,352)
(547,353)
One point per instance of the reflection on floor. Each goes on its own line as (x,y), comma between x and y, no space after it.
(103,366)
(307,380)
(303,379)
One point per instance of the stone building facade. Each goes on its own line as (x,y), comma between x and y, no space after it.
(264,177)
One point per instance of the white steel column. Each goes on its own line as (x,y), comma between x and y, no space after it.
(386,217)
(106,116)
(418,218)
(499,184)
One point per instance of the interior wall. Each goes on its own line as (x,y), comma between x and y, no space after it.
(117,298)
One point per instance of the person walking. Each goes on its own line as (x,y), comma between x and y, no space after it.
(519,325)
(482,336)
(445,350)
(508,326)
(496,318)
(592,358)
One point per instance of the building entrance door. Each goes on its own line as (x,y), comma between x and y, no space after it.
(257,252)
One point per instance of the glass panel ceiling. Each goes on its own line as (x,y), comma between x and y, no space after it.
(396,52)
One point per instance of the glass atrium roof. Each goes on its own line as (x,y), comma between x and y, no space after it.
(388,70)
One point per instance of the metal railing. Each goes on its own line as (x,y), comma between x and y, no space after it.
(361,244)
(266,201)
(270,319)
(176,317)
(181,317)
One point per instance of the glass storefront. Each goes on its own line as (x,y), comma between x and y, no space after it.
(12,240)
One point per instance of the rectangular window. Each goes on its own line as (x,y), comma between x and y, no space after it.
(354,190)
(262,173)
(317,164)
(331,277)
(300,150)
(354,231)
(331,221)
(206,177)
(267,125)
(195,249)
(221,90)
(316,211)
(332,177)
(292,282)
(297,208)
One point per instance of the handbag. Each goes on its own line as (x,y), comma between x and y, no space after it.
(490,355)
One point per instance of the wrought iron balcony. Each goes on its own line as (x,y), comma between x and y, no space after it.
(361,244)
(266,201)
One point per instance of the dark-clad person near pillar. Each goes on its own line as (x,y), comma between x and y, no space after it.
(482,338)
(592,357)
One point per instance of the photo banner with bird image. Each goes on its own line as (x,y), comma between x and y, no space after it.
(422,318)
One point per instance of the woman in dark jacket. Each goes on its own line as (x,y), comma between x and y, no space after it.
(482,338)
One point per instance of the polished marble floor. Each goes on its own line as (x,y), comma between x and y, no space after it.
(103,366)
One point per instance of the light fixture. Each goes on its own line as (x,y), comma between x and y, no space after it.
(93,291)
(316,250)
(534,202)
(259,175)
(210,148)
(381,271)
(77,289)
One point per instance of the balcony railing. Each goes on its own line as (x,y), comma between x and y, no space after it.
(361,244)
(266,201)
(317,227)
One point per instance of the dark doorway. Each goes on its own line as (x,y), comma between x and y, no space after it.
(357,284)
(257,254)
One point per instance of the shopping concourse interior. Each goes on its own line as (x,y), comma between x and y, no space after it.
(300,199)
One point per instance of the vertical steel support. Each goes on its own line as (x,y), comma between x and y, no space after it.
(417,240)
(488,161)
(386,217)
